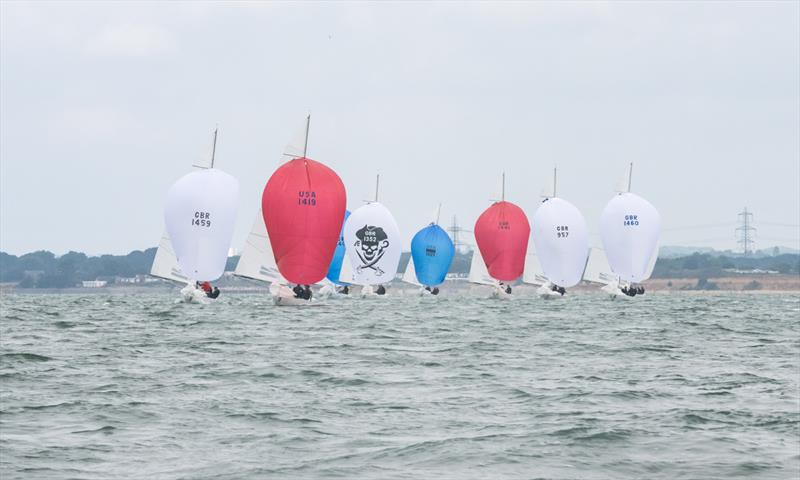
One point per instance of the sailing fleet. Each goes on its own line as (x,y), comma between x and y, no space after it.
(304,238)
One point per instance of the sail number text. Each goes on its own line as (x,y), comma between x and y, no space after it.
(201,219)
(304,197)
(631,220)
(562,231)
(503,225)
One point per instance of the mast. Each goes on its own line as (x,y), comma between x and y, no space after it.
(630,174)
(503,189)
(438,213)
(214,146)
(308,124)
(555,170)
(377,184)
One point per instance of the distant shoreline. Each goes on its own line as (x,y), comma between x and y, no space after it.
(763,283)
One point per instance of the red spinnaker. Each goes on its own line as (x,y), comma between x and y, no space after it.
(502,233)
(303,207)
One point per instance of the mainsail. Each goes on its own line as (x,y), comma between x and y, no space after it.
(533,274)
(410,275)
(257,260)
(597,268)
(477,270)
(165,265)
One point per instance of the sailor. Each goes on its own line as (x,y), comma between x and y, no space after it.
(214,293)
(508,289)
(428,288)
(435,291)
(381,290)
(562,291)
(298,291)
(307,292)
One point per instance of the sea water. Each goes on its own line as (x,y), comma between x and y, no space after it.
(664,386)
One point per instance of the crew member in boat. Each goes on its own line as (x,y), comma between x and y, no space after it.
(381,290)
(214,293)
(302,291)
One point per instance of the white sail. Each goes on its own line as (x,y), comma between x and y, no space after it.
(562,241)
(533,274)
(200,214)
(165,265)
(346,273)
(652,265)
(373,243)
(410,275)
(257,260)
(478,273)
(296,147)
(597,268)
(630,227)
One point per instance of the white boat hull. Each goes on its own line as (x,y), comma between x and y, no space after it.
(283,296)
(190,294)
(546,292)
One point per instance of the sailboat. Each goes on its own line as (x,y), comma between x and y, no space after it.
(200,214)
(502,233)
(562,243)
(630,228)
(165,264)
(373,244)
(432,253)
(303,206)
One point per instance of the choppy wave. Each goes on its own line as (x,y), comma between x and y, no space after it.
(459,387)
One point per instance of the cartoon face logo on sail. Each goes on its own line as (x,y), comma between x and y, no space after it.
(371,245)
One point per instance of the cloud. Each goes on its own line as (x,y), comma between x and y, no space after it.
(127,40)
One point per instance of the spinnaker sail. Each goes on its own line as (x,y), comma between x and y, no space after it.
(335,268)
(303,206)
(432,252)
(502,233)
(373,243)
(562,241)
(200,214)
(630,227)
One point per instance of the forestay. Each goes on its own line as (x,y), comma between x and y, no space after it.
(200,214)
(562,241)
(630,227)
(373,244)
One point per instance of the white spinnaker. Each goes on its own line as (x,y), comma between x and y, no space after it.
(200,214)
(597,268)
(373,244)
(257,260)
(410,275)
(630,227)
(533,274)
(478,273)
(165,265)
(562,241)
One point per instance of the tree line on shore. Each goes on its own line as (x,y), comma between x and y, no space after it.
(44,269)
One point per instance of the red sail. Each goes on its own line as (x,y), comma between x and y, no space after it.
(303,207)
(502,233)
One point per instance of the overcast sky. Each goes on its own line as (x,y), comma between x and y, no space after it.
(104,105)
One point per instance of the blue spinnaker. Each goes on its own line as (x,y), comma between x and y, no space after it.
(338,255)
(432,252)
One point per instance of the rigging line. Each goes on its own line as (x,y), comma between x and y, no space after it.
(708,225)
